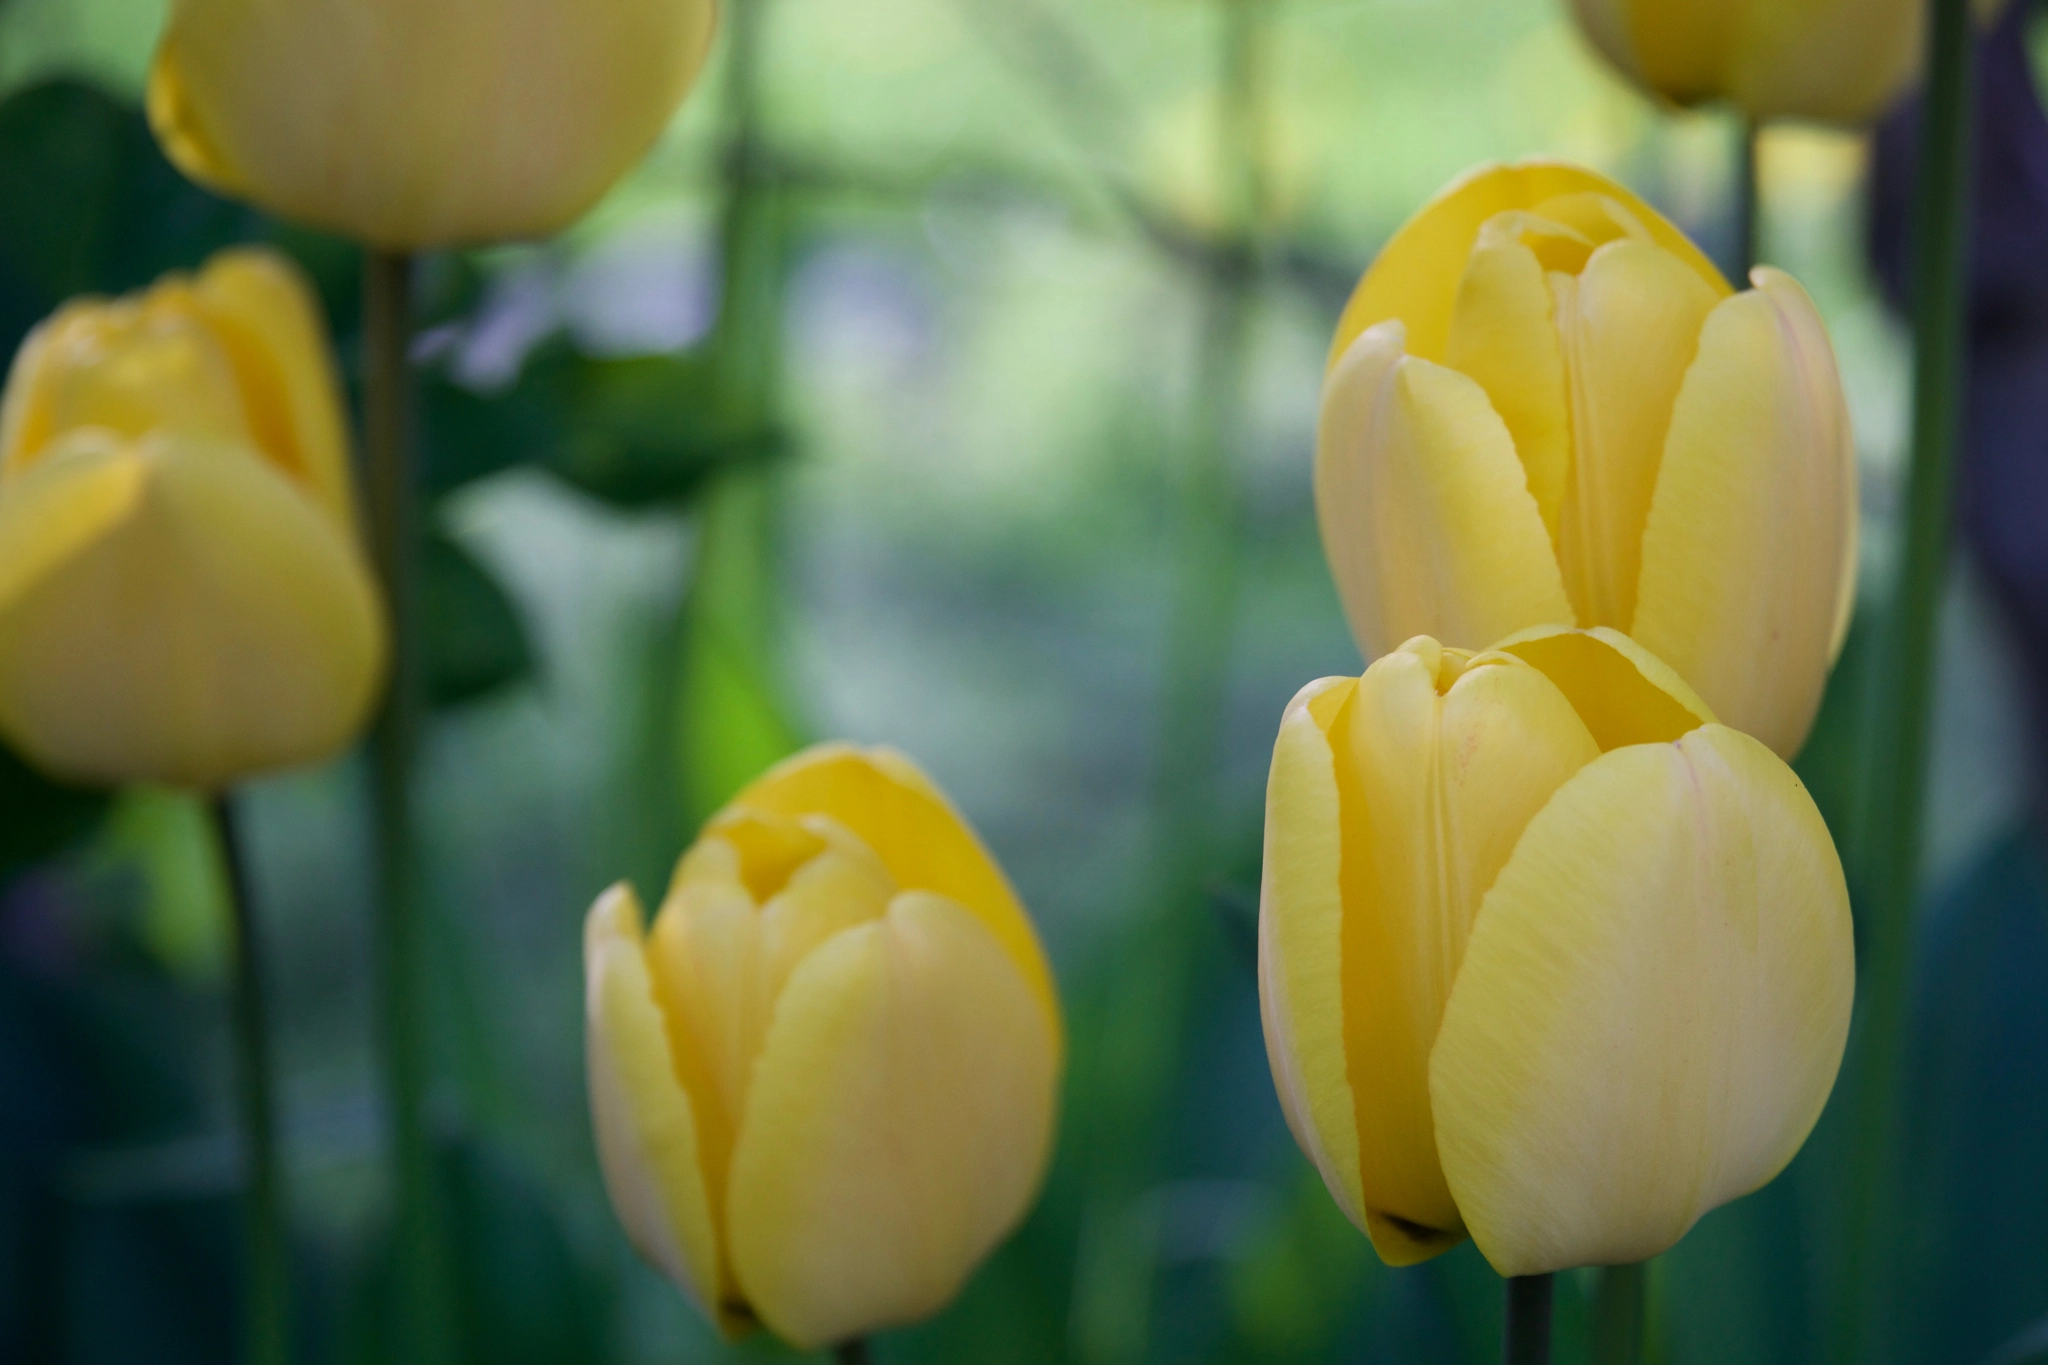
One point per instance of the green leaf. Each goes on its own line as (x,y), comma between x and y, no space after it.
(40,817)
(475,643)
(92,206)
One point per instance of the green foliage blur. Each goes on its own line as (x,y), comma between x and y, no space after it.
(955,389)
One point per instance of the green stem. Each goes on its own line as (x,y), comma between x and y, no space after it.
(267,1306)
(1620,1316)
(1940,294)
(425,1327)
(854,1352)
(1749,199)
(1525,1339)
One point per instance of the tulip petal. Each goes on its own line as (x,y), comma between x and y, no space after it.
(419,124)
(211,624)
(1683,51)
(1437,775)
(1652,1008)
(1750,543)
(886,802)
(897,1127)
(1503,335)
(1625,694)
(1301,929)
(270,324)
(1630,327)
(1415,280)
(1425,509)
(1836,61)
(647,1140)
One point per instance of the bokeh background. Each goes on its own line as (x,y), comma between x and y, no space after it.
(948,378)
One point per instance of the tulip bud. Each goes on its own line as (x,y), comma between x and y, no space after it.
(1838,61)
(823,1084)
(1546,407)
(1547,957)
(410,124)
(182,596)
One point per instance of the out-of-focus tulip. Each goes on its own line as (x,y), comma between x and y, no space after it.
(1547,957)
(823,1083)
(182,595)
(421,123)
(1546,407)
(1839,61)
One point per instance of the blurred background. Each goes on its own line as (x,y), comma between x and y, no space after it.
(948,378)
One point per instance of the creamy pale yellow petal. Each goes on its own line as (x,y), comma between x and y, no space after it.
(421,123)
(1437,774)
(1683,48)
(1837,61)
(882,798)
(270,325)
(841,887)
(646,1133)
(1415,280)
(1629,326)
(223,625)
(1426,514)
(1625,694)
(1752,527)
(899,1124)
(1301,930)
(1503,336)
(1652,1009)
(132,367)
(705,953)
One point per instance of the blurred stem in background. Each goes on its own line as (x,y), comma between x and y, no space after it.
(425,1328)
(1940,247)
(1749,200)
(1143,1017)
(733,720)
(1621,1316)
(1526,1334)
(266,1306)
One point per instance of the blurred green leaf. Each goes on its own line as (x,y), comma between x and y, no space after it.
(39,817)
(91,205)
(524,1296)
(475,642)
(639,431)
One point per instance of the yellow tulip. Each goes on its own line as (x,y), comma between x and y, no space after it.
(1545,407)
(182,595)
(422,123)
(1838,61)
(1547,956)
(823,1084)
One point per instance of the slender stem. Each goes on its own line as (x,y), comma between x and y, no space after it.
(854,1352)
(1620,1316)
(267,1307)
(1526,1338)
(426,1323)
(1940,293)
(1749,199)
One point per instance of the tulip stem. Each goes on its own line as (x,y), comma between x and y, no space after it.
(425,1327)
(1749,198)
(854,1352)
(267,1306)
(1939,299)
(1620,1315)
(1526,1340)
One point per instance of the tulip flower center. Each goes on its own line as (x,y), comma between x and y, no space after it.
(1581,328)
(748,904)
(136,374)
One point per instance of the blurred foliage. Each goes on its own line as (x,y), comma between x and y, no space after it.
(974,233)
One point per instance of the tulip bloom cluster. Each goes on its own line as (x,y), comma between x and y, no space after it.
(824,1082)
(1547,955)
(183,598)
